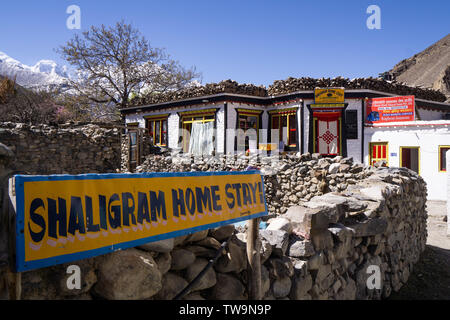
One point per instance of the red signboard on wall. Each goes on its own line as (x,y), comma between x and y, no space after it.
(390,109)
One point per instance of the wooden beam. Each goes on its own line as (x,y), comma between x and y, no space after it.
(254,262)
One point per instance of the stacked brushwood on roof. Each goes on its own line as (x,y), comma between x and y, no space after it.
(298,84)
(280,87)
(226,86)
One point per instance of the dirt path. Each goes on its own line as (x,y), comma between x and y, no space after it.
(430,279)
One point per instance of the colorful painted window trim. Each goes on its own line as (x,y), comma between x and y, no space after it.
(188,118)
(248,119)
(286,122)
(157,129)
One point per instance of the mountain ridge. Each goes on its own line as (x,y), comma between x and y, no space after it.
(429,68)
(45,74)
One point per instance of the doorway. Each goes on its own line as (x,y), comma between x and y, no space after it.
(378,152)
(410,158)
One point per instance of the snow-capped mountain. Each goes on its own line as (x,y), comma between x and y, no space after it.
(46,74)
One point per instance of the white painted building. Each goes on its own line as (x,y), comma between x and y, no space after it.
(292,122)
(418,145)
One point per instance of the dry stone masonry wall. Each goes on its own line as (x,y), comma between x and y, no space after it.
(288,179)
(323,248)
(62,149)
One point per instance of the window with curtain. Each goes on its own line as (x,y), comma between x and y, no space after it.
(198,131)
(201,140)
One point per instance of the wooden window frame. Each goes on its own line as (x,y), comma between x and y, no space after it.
(346,124)
(205,114)
(249,113)
(440,157)
(286,113)
(158,118)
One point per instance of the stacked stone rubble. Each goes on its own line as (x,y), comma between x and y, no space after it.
(336,243)
(325,248)
(288,178)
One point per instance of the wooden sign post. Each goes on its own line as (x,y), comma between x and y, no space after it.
(254,262)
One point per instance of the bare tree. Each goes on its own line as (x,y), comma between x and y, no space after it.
(115,63)
(18,104)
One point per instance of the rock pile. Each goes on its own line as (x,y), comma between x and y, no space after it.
(359,244)
(72,149)
(288,179)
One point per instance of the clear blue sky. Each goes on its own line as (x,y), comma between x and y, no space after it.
(247,41)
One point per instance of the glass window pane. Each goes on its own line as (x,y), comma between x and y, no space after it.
(157,132)
(443,156)
(133,138)
(292,130)
(150,128)
(284,128)
(133,154)
(164,132)
(275,121)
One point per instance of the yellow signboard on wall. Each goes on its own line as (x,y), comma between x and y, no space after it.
(329,95)
(64,218)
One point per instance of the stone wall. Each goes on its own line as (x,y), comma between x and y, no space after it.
(334,245)
(324,248)
(62,149)
(288,178)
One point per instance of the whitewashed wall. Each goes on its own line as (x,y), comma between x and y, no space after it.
(428,138)
(173,123)
(354,145)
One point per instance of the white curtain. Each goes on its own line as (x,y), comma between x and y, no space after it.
(201,141)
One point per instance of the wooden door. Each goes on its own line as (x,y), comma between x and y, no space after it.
(327,134)
(378,152)
(133,156)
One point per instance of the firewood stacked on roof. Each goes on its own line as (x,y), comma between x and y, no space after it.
(289,85)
